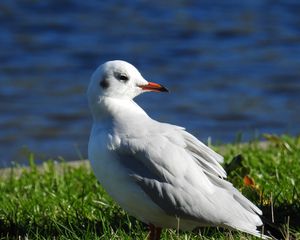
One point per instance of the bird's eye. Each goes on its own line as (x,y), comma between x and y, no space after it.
(123,77)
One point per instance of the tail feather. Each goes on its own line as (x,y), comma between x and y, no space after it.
(250,229)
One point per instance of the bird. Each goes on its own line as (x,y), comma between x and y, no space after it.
(158,172)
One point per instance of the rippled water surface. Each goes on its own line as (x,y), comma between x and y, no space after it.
(231,67)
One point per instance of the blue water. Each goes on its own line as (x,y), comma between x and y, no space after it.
(231,66)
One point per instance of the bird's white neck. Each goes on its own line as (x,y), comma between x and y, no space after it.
(109,108)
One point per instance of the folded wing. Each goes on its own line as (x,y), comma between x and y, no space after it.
(185,179)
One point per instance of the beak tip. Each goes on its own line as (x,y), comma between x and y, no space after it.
(155,87)
(165,90)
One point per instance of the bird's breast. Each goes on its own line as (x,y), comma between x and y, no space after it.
(116,179)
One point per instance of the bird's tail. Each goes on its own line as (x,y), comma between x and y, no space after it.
(252,230)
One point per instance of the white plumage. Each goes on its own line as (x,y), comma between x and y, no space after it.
(156,171)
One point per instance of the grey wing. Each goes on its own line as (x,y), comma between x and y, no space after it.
(184,178)
(208,159)
(175,201)
(164,167)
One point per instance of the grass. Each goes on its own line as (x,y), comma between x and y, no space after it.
(59,201)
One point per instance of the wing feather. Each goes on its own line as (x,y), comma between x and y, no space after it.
(208,159)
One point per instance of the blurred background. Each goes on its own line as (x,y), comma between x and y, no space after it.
(232,67)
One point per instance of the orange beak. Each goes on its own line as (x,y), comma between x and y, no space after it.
(154,87)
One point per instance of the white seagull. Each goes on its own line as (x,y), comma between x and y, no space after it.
(158,172)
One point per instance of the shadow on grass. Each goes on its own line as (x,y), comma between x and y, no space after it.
(286,219)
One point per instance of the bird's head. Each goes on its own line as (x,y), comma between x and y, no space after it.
(119,79)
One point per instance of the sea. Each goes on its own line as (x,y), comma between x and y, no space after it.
(232,68)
